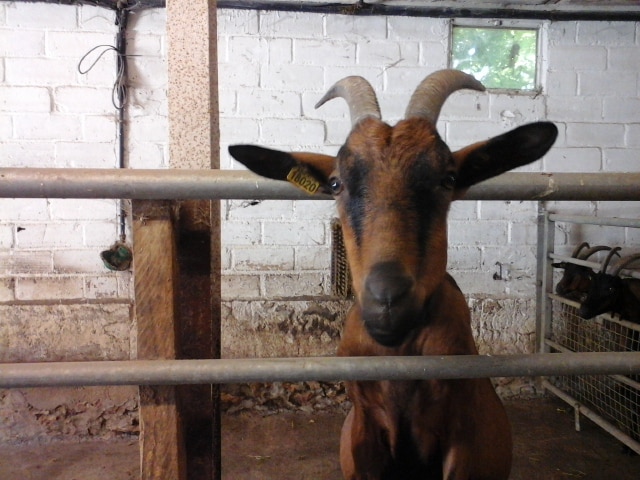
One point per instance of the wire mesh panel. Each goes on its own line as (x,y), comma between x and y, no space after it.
(602,334)
(615,397)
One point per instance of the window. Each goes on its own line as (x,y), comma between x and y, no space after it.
(501,57)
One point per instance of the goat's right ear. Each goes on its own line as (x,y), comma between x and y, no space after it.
(520,146)
(307,171)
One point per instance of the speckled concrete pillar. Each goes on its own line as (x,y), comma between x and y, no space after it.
(193,84)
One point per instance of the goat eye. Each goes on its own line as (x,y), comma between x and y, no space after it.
(449,181)
(335,185)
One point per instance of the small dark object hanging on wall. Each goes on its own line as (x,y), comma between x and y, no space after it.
(118,257)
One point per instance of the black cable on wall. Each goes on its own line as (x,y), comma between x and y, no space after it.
(360,7)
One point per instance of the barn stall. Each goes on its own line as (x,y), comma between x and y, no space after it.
(60,302)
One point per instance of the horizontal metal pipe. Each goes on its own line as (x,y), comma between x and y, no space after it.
(619,378)
(606,316)
(625,271)
(175,372)
(142,184)
(227,184)
(586,219)
(575,261)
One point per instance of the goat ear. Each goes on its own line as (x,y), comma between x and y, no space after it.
(308,171)
(505,152)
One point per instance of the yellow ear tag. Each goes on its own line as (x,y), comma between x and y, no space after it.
(301,178)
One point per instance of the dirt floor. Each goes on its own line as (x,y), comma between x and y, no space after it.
(295,446)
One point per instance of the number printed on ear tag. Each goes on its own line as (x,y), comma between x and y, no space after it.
(301,178)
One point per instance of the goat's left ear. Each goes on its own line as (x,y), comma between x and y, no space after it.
(308,171)
(505,152)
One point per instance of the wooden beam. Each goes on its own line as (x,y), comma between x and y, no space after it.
(155,283)
(198,310)
(194,143)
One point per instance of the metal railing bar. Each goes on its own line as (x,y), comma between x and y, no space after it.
(619,378)
(176,372)
(606,221)
(154,184)
(556,346)
(594,265)
(576,261)
(606,316)
(566,301)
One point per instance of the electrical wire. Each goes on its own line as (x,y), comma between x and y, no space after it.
(119,91)
(118,94)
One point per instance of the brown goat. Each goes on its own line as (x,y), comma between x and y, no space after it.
(393,187)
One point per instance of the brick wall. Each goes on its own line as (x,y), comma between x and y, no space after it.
(590,91)
(273,67)
(57,300)
(52,116)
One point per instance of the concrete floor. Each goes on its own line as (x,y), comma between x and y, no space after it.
(296,446)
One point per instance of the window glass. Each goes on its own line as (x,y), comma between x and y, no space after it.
(504,58)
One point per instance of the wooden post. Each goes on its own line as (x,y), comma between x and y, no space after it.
(194,143)
(155,282)
(199,312)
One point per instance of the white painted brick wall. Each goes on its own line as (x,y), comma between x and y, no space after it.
(53,116)
(273,67)
(590,93)
(147,114)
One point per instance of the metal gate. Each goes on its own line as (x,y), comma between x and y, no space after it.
(156,185)
(611,401)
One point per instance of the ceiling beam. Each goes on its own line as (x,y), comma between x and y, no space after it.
(621,12)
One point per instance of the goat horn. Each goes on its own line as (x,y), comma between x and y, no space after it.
(359,95)
(590,251)
(624,262)
(577,250)
(430,95)
(605,262)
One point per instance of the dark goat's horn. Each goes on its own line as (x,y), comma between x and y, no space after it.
(624,262)
(577,250)
(359,96)
(590,251)
(427,100)
(605,262)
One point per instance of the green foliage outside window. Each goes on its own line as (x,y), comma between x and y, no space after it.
(498,57)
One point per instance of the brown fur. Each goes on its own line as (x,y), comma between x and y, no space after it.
(393,187)
(452,423)
(456,429)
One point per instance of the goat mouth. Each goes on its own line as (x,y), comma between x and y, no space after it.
(388,326)
(386,338)
(586,312)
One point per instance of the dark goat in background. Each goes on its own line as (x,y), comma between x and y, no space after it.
(609,292)
(576,280)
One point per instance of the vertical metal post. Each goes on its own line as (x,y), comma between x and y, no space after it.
(544,278)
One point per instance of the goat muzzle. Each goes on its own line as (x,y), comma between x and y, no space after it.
(389,306)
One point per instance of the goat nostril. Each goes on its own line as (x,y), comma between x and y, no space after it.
(388,284)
